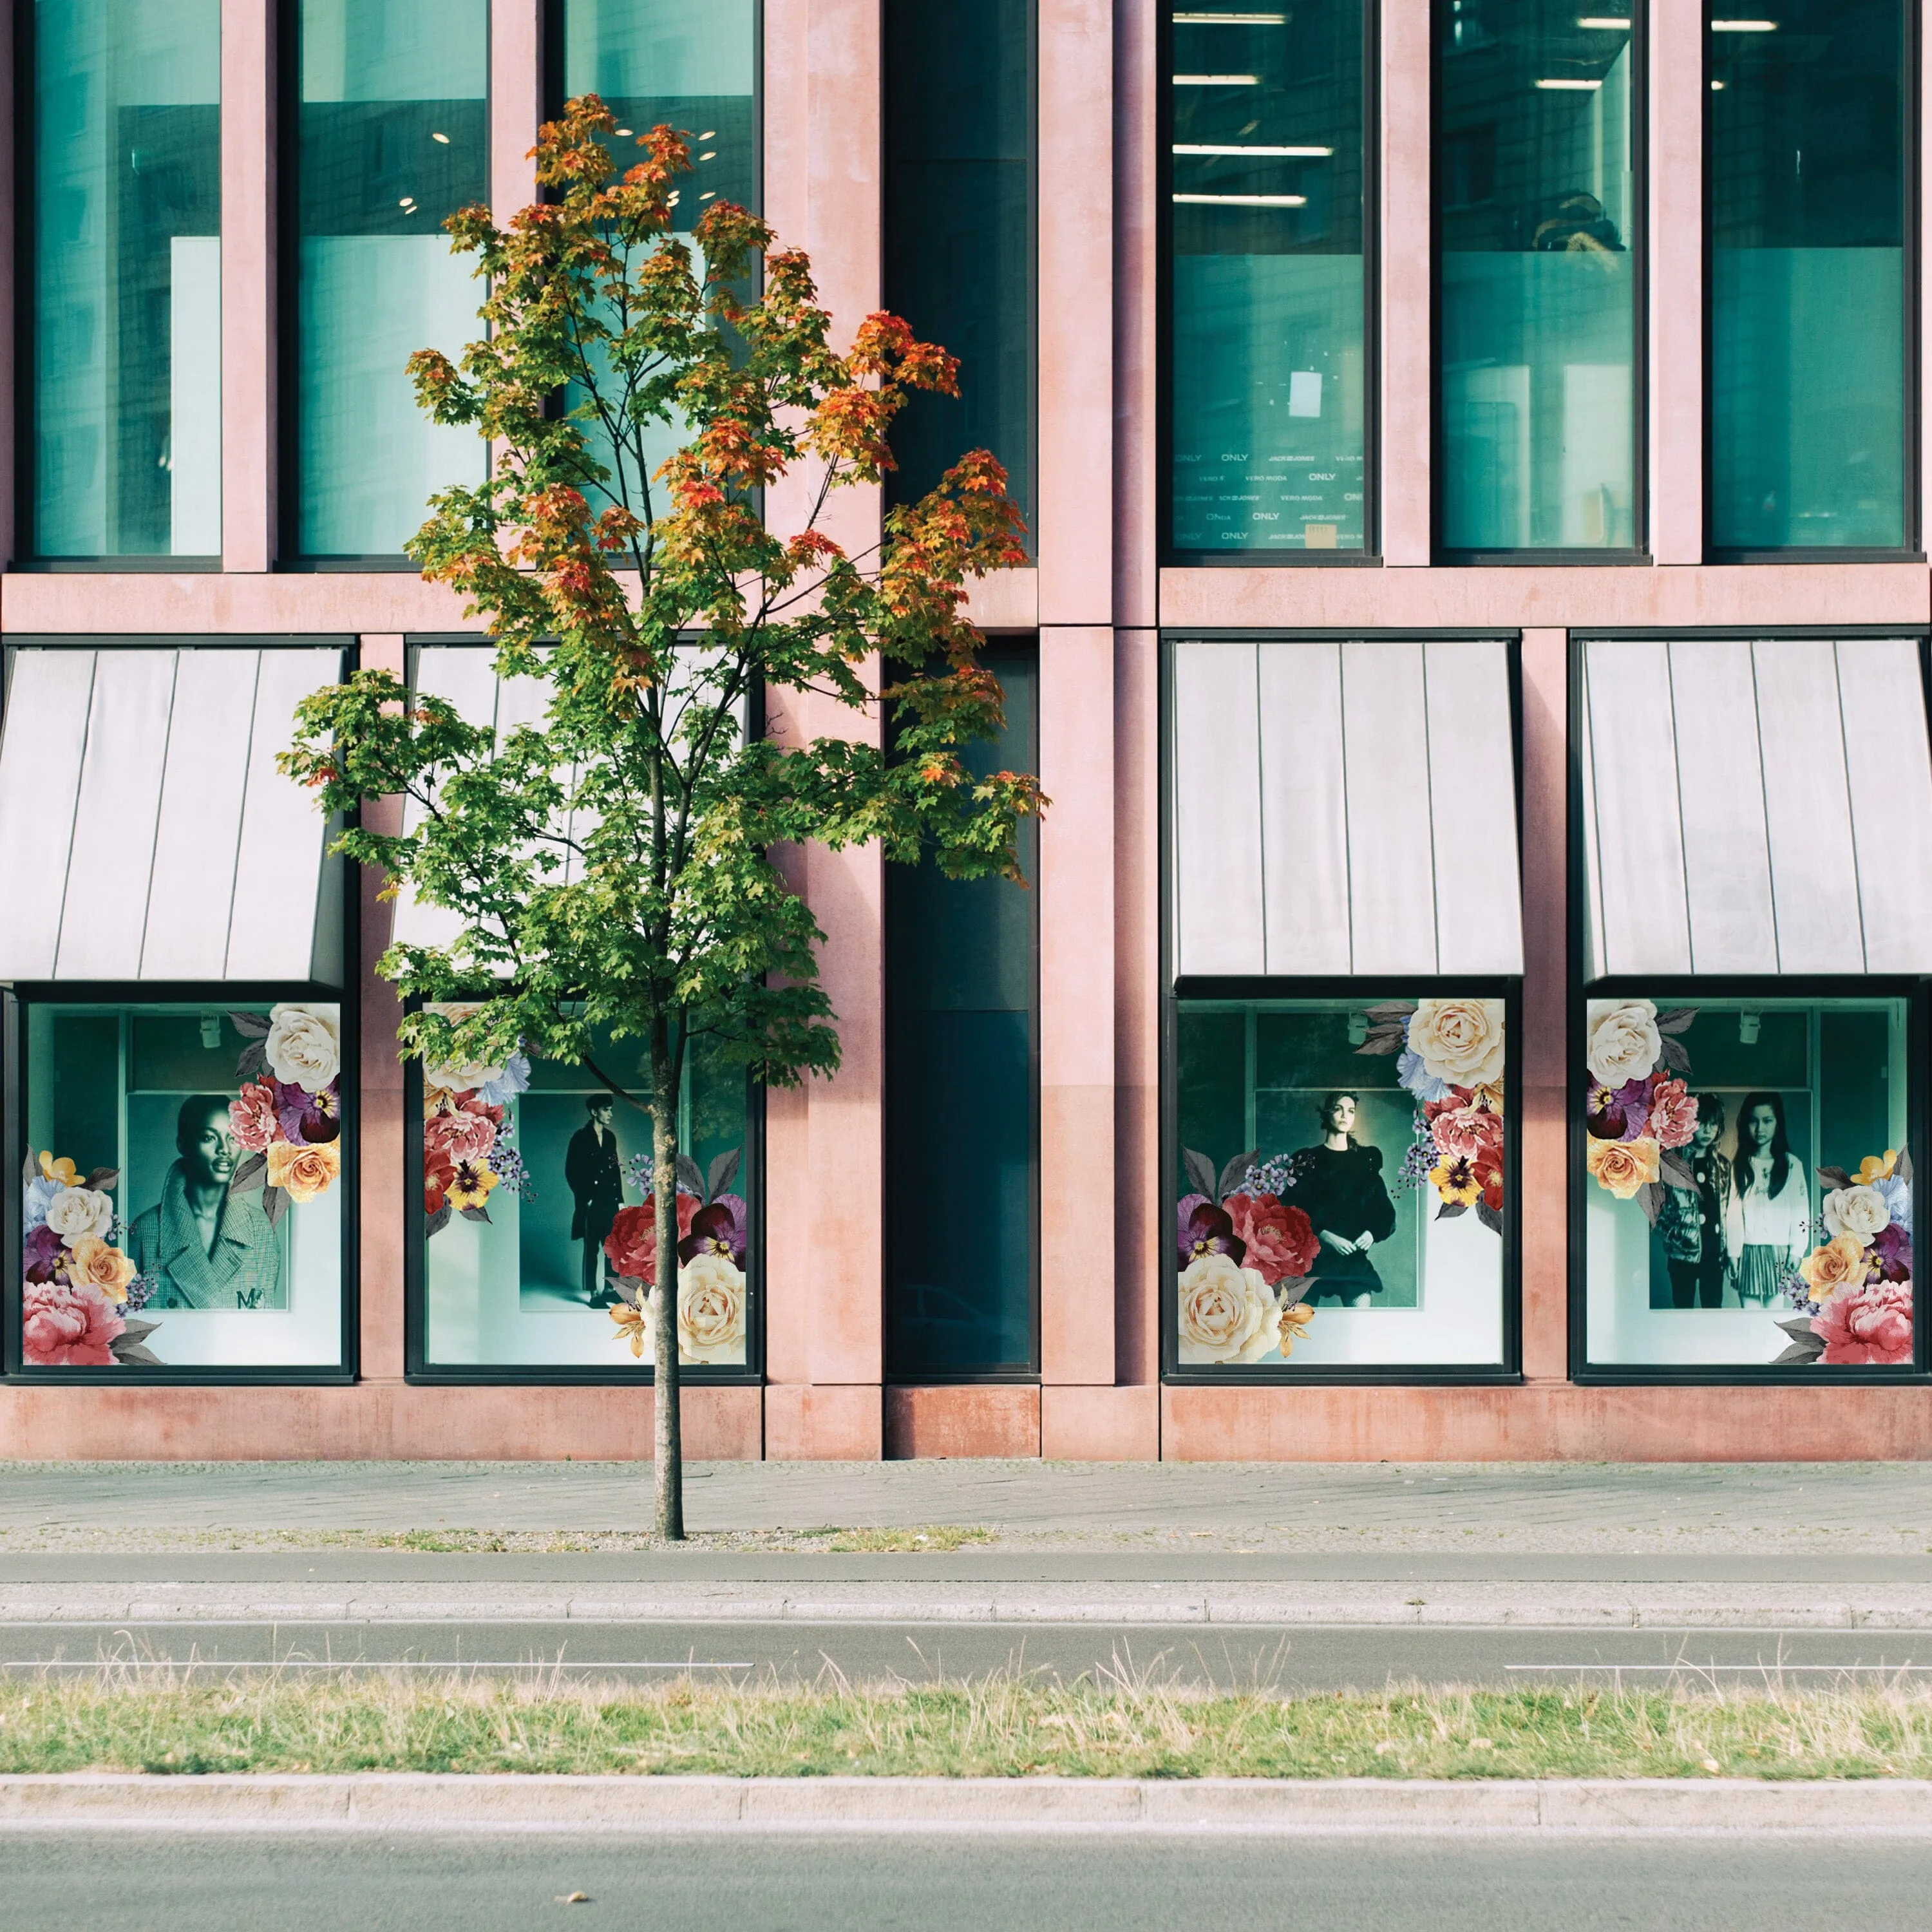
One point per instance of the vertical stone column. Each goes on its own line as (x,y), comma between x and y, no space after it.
(516,102)
(1408,412)
(379,1121)
(249,287)
(825,1156)
(1545,1126)
(1676,272)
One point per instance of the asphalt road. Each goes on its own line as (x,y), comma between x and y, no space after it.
(1231,1658)
(1088,1882)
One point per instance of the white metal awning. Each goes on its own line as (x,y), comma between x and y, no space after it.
(1756,807)
(1344,808)
(144,832)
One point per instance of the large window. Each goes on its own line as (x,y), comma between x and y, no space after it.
(539,1220)
(391,136)
(1269,377)
(183,1207)
(1747,1182)
(1342,1183)
(690,65)
(959,228)
(124,324)
(962,1093)
(1536,238)
(1805,158)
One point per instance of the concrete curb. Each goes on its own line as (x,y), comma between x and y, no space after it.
(1292,1605)
(412,1802)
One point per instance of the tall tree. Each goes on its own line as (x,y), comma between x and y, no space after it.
(611,865)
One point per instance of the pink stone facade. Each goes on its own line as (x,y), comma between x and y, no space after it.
(1098,601)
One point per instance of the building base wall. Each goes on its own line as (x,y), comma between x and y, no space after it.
(963,1419)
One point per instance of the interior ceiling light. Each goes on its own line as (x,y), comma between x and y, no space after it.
(623,131)
(1570,86)
(1608,22)
(1217,80)
(1242,148)
(1744,26)
(710,134)
(1230,19)
(443,138)
(1716,87)
(1250,200)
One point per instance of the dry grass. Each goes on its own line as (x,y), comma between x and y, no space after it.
(1124,1724)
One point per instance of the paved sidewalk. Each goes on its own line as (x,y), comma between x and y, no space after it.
(1875,1507)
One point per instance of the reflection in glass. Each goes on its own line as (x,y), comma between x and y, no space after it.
(1535,210)
(1340,1182)
(1805,155)
(961,958)
(539,1219)
(187,1209)
(690,65)
(1746,1195)
(126,278)
(392,137)
(959,228)
(1267,214)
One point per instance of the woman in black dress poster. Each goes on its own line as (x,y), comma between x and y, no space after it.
(1338,1185)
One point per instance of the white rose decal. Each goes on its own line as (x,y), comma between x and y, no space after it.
(1460,1041)
(1862,1213)
(1624,1044)
(1227,1314)
(459,1076)
(710,1309)
(304,1048)
(75,1212)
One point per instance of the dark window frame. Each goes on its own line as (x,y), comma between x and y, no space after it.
(1031,1372)
(284,191)
(14,1152)
(1638,552)
(1911,550)
(1170,555)
(21,554)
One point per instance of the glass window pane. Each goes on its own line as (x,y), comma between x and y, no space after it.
(536,1194)
(1746,1197)
(961,960)
(1535,217)
(959,228)
(126,322)
(1268,371)
(689,64)
(188,1212)
(1340,1182)
(392,128)
(1805,150)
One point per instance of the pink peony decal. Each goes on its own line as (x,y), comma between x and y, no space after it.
(1862,1325)
(462,1136)
(253,1118)
(1280,1241)
(631,1246)
(64,1326)
(1673,1114)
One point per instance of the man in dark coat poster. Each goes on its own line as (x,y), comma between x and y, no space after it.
(590,1165)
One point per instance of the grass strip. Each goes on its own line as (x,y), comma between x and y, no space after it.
(179,1721)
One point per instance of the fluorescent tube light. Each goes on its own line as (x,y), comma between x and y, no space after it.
(1230,19)
(1570,86)
(1744,26)
(1241,148)
(1249,200)
(1616,22)
(1217,80)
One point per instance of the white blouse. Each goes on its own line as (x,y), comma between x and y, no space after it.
(1760,1220)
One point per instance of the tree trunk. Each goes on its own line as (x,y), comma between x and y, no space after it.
(668,1450)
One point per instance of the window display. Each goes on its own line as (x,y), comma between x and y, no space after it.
(1748,1191)
(181,1206)
(1342,1184)
(539,1221)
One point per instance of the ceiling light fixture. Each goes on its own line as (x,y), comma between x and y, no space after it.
(1744,26)
(1607,22)
(1230,19)
(443,138)
(1568,86)
(1249,200)
(1217,80)
(1243,148)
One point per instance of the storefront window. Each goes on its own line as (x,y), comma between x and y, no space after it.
(690,65)
(1268,223)
(391,137)
(539,1217)
(126,310)
(1342,1183)
(1805,159)
(1748,1186)
(1535,225)
(184,1206)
